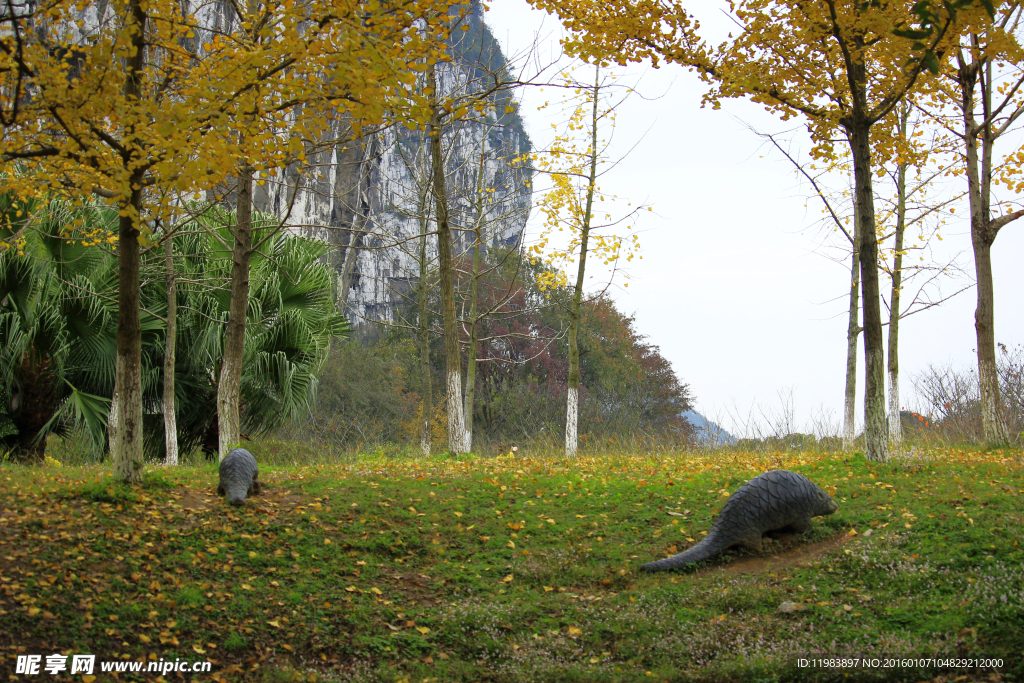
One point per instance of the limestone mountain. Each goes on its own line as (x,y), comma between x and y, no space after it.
(370,200)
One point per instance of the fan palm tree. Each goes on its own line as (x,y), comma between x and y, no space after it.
(290,324)
(57,322)
(58,317)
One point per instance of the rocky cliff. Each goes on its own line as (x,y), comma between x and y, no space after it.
(370,198)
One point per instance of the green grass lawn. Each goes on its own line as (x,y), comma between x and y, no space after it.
(515,569)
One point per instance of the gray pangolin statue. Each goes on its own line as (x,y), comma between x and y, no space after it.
(239,476)
(768,502)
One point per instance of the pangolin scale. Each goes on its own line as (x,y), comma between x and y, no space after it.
(239,476)
(774,500)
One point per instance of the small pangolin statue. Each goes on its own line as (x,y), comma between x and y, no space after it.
(239,476)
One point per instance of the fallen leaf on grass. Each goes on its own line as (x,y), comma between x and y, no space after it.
(788,607)
(575,631)
(423,629)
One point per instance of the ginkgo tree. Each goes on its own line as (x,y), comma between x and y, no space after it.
(576,206)
(139,101)
(978,100)
(445,110)
(843,65)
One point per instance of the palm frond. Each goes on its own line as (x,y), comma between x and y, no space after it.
(84,410)
(276,389)
(19,278)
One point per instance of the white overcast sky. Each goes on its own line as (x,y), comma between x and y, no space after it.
(733,286)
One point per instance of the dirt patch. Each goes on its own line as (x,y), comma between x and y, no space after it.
(193,499)
(785,551)
(197,500)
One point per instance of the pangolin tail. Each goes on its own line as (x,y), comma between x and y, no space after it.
(711,545)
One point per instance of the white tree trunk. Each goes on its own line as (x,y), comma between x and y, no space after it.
(460,438)
(895,424)
(170,421)
(425,438)
(112,424)
(572,418)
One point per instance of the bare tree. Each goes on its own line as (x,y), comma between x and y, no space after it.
(927,277)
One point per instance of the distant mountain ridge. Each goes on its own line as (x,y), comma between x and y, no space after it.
(708,432)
